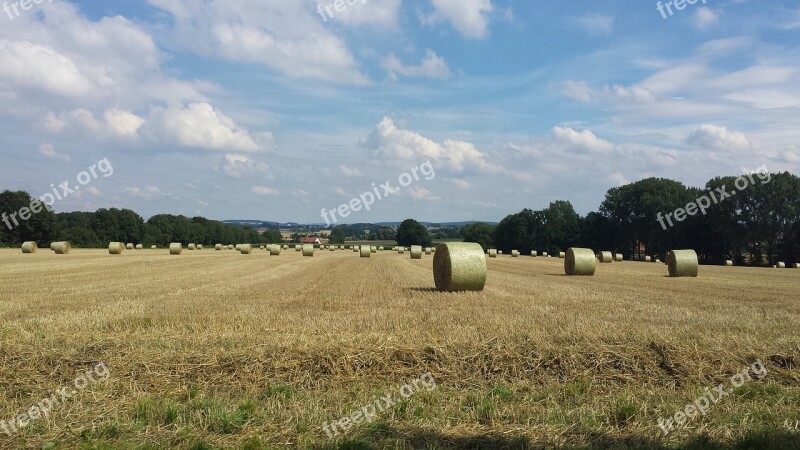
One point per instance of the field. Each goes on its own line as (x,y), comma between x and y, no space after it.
(221,350)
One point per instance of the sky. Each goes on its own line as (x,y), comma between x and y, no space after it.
(278,109)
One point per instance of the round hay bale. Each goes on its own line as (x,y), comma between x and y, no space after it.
(499,252)
(332,248)
(275,250)
(416,252)
(30,247)
(544,254)
(128,246)
(605,257)
(356,249)
(580,262)
(428,250)
(380,248)
(648,259)
(796,266)
(728,263)
(139,247)
(373,249)
(199,246)
(515,253)
(562,255)
(218,247)
(308,250)
(51,246)
(116,248)
(534,253)
(401,250)
(246,249)
(192,247)
(261,247)
(298,248)
(657,260)
(62,248)
(682,263)
(365,251)
(153,247)
(285,247)
(175,248)
(492,253)
(459,266)
(618,257)
(781,265)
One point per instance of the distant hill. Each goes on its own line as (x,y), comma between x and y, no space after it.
(269,224)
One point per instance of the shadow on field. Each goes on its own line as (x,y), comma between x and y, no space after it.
(387,437)
(421,289)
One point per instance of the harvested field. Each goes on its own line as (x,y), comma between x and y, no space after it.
(222,350)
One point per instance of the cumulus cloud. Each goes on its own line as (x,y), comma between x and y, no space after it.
(48,151)
(123,123)
(469,17)
(381,14)
(596,23)
(262,190)
(147,191)
(397,144)
(583,140)
(41,67)
(348,172)
(200,125)
(421,193)
(705,17)
(431,67)
(718,138)
(115,123)
(237,166)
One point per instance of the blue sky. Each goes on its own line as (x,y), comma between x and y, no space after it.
(261,109)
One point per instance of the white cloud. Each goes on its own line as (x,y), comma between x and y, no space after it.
(469,17)
(145,192)
(459,183)
(421,193)
(619,179)
(431,67)
(391,142)
(596,23)
(41,67)
(348,172)
(48,151)
(583,140)
(261,190)
(116,122)
(94,191)
(123,123)
(718,138)
(705,17)
(238,166)
(381,14)
(200,125)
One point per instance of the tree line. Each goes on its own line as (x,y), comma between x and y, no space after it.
(97,229)
(757,224)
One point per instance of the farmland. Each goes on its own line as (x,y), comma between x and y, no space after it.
(221,350)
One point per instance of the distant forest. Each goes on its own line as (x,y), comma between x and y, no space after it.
(756,223)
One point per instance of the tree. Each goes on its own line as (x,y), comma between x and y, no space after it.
(338,235)
(411,232)
(17,206)
(480,233)
(562,226)
(521,231)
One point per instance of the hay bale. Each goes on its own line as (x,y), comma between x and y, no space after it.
(499,252)
(139,247)
(605,257)
(728,263)
(30,247)
(492,253)
(308,249)
(356,249)
(380,248)
(427,250)
(401,250)
(534,253)
(153,247)
(544,254)
(285,247)
(562,255)
(796,266)
(365,251)
(62,248)
(647,259)
(373,249)
(115,248)
(657,260)
(275,250)
(192,246)
(246,249)
(298,248)
(682,263)
(515,253)
(781,265)
(580,262)
(459,266)
(175,248)
(618,257)
(128,246)
(416,252)
(332,248)
(218,247)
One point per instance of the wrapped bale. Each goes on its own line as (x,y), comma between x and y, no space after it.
(499,252)
(218,247)
(401,250)
(192,246)
(365,251)
(428,250)
(153,247)
(728,263)
(246,249)
(544,254)
(62,248)
(30,247)
(298,248)
(492,253)
(175,248)
(781,265)
(459,266)
(275,250)
(562,255)
(373,249)
(308,250)
(139,247)
(534,253)
(129,246)
(605,257)
(515,253)
(682,263)
(116,248)
(618,257)
(416,252)
(580,262)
